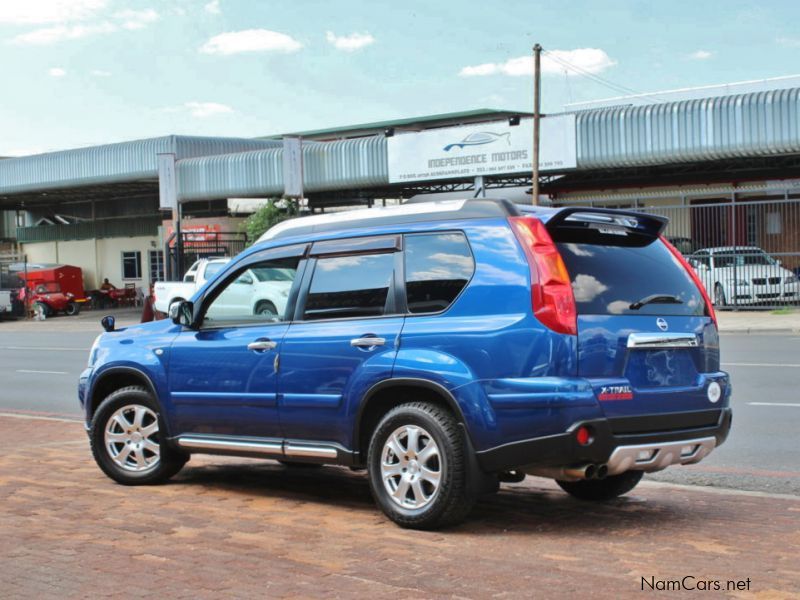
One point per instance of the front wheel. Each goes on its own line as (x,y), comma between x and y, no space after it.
(417,467)
(602,489)
(267,309)
(73,308)
(127,439)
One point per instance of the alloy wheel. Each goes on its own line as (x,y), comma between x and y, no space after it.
(411,467)
(131,438)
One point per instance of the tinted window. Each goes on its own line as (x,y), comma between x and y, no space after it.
(609,279)
(350,286)
(438,266)
(252,296)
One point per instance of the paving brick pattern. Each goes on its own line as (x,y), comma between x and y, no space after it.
(249,529)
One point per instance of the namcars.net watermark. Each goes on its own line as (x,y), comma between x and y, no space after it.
(690,583)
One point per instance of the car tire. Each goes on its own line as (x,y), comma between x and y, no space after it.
(127,441)
(73,308)
(417,467)
(719,296)
(266,308)
(599,490)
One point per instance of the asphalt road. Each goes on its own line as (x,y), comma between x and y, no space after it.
(39,370)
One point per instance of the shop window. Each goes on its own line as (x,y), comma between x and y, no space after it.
(132,265)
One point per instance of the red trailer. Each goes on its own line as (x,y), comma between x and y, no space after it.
(57,288)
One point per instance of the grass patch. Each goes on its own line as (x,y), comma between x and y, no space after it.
(786,310)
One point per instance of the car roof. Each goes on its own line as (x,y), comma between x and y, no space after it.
(409,212)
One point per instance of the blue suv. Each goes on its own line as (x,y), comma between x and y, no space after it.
(442,346)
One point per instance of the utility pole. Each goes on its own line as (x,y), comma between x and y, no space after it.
(537,88)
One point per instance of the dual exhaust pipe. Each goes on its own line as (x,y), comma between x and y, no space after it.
(587,471)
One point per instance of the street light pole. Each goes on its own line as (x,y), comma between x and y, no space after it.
(537,85)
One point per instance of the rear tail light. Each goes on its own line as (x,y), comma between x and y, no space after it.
(679,257)
(551,290)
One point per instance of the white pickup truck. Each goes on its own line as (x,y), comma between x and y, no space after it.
(257,291)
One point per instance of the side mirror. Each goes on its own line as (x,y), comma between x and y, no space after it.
(778,262)
(182,313)
(108,323)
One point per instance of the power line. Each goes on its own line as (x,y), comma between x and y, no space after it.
(600,80)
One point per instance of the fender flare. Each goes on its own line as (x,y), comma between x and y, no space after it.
(111,371)
(426,384)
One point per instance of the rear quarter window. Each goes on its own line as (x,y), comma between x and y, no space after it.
(438,266)
(609,279)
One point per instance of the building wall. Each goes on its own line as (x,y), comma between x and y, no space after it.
(98,259)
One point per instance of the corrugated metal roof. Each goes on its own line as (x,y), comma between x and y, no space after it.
(255,173)
(110,163)
(757,124)
(345,164)
(445,118)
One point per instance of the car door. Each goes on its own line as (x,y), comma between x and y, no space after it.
(222,375)
(343,339)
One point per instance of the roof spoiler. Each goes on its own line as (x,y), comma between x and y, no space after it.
(578,217)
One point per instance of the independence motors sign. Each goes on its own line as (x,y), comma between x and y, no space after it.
(486,149)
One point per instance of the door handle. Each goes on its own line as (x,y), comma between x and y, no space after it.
(367,342)
(261,345)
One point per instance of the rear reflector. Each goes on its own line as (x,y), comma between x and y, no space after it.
(583,435)
(551,290)
(679,257)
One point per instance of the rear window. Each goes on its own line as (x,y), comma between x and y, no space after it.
(611,280)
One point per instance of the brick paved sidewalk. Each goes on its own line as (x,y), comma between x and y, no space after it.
(242,528)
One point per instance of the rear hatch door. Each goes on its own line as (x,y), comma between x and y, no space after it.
(646,340)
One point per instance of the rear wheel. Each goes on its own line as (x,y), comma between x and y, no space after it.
(417,467)
(127,440)
(602,489)
(73,308)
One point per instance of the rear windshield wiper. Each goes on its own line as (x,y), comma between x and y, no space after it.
(656,299)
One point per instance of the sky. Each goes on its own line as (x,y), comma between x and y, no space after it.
(84,72)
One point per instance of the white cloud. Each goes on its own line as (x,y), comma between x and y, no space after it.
(203,110)
(100,73)
(50,35)
(585,60)
(350,43)
(37,12)
(56,72)
(701,55)
(137,19)
(587,287)
(213,7)
(250,40)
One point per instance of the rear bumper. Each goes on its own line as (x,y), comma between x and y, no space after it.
(621,438)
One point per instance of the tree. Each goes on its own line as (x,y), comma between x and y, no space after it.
(272,213)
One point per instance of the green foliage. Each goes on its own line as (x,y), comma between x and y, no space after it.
(272,213)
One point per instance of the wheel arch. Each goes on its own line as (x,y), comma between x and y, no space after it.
(385,395)
(115,378)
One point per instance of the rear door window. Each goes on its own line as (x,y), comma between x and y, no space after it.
(611,280)
(350,286)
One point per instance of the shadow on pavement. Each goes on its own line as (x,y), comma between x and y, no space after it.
(535,506)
